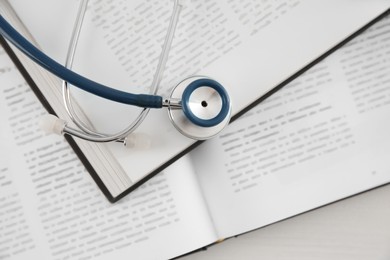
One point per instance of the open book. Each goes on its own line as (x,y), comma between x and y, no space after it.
(251,48)
(323,137)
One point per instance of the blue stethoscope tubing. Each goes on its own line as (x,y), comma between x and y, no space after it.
(146,101)
(140,100)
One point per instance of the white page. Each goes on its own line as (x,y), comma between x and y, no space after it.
(255,48)
(51,209)
(323,137)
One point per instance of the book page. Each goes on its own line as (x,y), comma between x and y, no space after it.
(251,46)
(321,138)
(50,208)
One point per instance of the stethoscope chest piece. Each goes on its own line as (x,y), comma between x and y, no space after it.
(199,107)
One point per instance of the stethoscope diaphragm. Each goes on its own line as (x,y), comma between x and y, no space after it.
(204,108)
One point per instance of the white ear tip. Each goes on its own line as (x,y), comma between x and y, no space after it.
(52,124)
(139,141)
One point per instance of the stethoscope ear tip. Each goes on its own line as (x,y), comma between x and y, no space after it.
(51,124)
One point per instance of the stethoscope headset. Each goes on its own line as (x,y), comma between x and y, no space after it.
(199,107)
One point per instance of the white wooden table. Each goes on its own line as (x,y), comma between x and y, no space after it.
(354,228)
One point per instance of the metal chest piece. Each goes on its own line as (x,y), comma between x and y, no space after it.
(205,108)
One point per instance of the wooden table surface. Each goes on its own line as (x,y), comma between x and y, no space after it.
(354,228)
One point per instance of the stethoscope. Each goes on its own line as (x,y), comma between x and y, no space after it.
(199,107)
